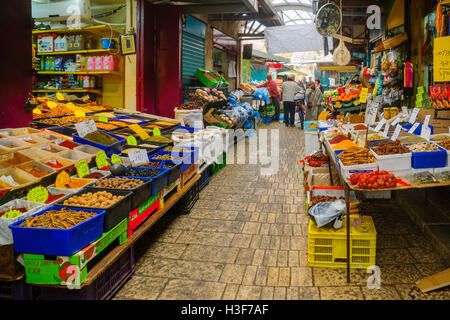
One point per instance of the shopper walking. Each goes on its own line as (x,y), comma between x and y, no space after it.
(272,86)
(319,85)
(289,89)
(303,84)
(314,98)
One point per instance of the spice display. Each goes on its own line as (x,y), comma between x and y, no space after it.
(331,136)
(11,214)
(132,120)
(319,199)
(58,219)
(101,138)
(161,139)
(34,170)
(28,139)
(360,127)
(100,199)
(94,175)
(165,123)
(390,147)
(189,106)
(374,180)
(9,180)
(376,137)
(49,148)
(412,139)
(423,147)
(440,137)
(53,163)
(15,159)
(53,197)
(119,183)
(163,157)
(153,164)
(118,123)
(445,143)
(356,155)
(68,144)
(146,145)
(105,126)
(168,165)
(94,107)
(73,183)
(59,110)
(344,145)
(312,126)
(317,159)
(142,173)
(64,121)
(338,139)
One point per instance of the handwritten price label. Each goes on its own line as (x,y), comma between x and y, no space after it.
(380,125)
(103,118)
(426,133)
(363,95)
(101,160)
(36,111)
(414,114)
(82,168)
(38,194)
(83,128)
(138,157)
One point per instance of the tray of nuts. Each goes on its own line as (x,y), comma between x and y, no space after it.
(116,203)
(427,155)
(140,188)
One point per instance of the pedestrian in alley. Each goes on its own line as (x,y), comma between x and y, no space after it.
(303,84)
(314,98)
(275,94)
(319,85)
(289,89)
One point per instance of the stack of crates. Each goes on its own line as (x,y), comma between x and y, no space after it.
(187,202)
(327,247)
(204,179)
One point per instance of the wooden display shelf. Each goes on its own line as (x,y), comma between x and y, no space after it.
(74,52)
(95,91)
(80,72)
(98,30)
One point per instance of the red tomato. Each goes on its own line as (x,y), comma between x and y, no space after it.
(375,186)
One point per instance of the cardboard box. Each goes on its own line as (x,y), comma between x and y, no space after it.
(321,177)
(423,113)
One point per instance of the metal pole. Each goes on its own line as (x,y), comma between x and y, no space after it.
(347,201)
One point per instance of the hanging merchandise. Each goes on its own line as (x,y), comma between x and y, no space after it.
(408,75)
(341,55)
(328,19)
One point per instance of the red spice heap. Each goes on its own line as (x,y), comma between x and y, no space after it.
(338,139)
(94,175)
(52,198)
(68,144)
(53,165)
(360,127)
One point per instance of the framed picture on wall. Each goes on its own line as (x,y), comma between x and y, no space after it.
(128,44)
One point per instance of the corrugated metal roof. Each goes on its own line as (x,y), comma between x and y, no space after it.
(269,57)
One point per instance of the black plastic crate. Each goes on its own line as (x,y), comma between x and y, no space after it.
(138,195)
(174,172)
(204,179)
(187,202)
(115,213)
(15,290)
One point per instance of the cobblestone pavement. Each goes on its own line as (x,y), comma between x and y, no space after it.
(246,238)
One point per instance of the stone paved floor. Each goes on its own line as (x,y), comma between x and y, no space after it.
(246,238)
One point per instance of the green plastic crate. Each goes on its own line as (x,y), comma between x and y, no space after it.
(216,167)
(219,81)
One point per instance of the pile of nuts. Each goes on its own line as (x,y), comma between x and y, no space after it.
(445,144)
(101,199)
(390,147)
(319,199)
(423,147)
(119,183)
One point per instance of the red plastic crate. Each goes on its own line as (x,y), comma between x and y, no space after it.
(137,218)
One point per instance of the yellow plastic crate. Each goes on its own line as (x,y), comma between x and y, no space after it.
(327,247)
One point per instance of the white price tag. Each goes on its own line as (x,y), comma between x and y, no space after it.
(182,122)
(426,133)
(414,114)
(405,110)
(138,157)
(414,127)
(380,125)
(426,121)
(386,129)
(398,128)
(83,128)
(371,113)
(396,121)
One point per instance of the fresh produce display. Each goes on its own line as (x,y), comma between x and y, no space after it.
(374,180)
(11,214)
(189,106)
(356,155)
(348,94)
(100,199)
(101,138)
(58,111)
(423,147)
(118,183)
(445,143)
(390,147)
(58,219)
(142,173)
(319,199)
(412,139)
(106,126)
(337,139)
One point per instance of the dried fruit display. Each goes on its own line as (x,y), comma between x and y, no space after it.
(58,219)
(356,155)
(445,143)
(390,147)
(100,199)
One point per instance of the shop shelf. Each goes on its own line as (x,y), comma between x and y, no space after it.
(73,52)
(114,213)
(103,287)
(327,247)
(393,162)
(432,159)
(115,148)
(63,242)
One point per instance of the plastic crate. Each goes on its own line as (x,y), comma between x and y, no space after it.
(115,148)
(187,202)
(185,161)
(432,159)
(15,290)
(102,288)
(204,180)
(158,183)
(60,242)
(393,162)
(145,210)
(216,167)
(327,247)
(127,120)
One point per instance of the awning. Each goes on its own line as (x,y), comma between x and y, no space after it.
(269,57)
(338,68)
(294,72)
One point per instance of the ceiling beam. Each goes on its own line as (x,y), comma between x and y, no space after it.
(211,9)
(285,7)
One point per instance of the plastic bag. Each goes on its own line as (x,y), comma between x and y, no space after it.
(191,118)
(262,94)
(325,213)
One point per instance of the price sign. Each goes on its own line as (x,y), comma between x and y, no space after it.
(156,132)
(139,131)
(182,122)
(414,127)
(414,114)
(380,125)
(386,129)
(59,96)
(38,194)
(103,118)
(405,110)
(131,140)
(79,113)
(427,120)
(419,97)
(62,179)
(371,113)
(101,160)
(116,159)
(419,104)
(51,104)
(363,95)
(138,157)
(398,128)
(426,133)
(82,168)
(397,120)
(36,111)
(83,128)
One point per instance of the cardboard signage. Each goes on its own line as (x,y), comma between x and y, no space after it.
(441,59)
(426,133)
(139,131)
(83,128)
(138,157)
(440,96)
(82,168)
(371,113)
(363,95)
(101,160)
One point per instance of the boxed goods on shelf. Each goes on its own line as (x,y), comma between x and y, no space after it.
(64,242)
(327,247)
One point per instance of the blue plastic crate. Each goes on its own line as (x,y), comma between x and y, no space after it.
(59,242)
(158,183)
(115,148)
(185,161)
(418,130)
(189,129)
(307,123)
(125,118)
(432,159)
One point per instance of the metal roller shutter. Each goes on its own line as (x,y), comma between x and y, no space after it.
(193,56)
